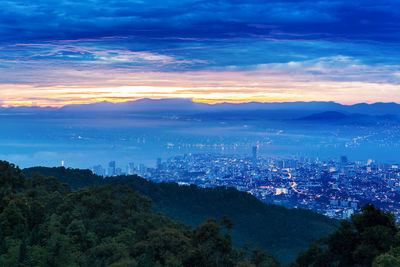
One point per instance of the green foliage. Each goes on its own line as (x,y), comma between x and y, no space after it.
(12,221)
(261,259)
(389,259)
(225,221)
(76,178)
(276,229)
(11,178)
(44,223)
(357,242)
(386,260)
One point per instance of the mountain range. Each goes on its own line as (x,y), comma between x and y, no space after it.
(189,106)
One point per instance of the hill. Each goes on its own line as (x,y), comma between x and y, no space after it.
(327,115)
(44,223)
(335,117)
(283,232)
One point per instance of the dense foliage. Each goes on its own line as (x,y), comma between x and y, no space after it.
(75,178)
(44,223)
(276,229)
(368,238)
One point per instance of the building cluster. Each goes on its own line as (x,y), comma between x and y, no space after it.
(113,170)
(334,188)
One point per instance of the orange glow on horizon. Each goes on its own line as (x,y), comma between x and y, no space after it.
(205,87)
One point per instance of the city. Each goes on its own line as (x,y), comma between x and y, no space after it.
(336,189)
(200,133)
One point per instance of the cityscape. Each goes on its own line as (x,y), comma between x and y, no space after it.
(335,188)
(200,133)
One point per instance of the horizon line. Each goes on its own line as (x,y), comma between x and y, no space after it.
(194,100)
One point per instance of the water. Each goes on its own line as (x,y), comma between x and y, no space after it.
(84,142)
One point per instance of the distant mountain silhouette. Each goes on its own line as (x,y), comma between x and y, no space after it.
(375,108)
(181,105)
(145,104)
(352,118)
(327,115)
(178,104)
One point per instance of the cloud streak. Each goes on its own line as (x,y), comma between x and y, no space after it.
(262,85)
(225,50)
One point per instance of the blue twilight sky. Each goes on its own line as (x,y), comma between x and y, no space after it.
(55,52)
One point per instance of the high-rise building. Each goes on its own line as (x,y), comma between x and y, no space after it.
(280,164)
(159,163)
(98,170)
(111,168)
(131,168)
(343,160)
(142,169)
(255,152)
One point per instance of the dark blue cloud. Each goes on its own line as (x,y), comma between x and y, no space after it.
(22,21)
(180,35)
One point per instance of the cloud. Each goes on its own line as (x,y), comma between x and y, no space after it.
(336,68)
(263,84)
(304,19)
(52,51)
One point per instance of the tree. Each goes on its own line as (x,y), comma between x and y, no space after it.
(386,260)
(225,221)
(11,177)
(22,252)
(12,220)
(45,223)
(261,259)
(356,242)
(76,230)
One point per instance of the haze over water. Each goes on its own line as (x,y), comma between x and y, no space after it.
(85,137)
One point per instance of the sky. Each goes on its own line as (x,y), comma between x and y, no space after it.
(57,52)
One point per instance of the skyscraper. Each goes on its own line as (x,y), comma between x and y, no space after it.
(255,151)
(131,168)
(142,169)
(159,163)
(111,168)
(98,170)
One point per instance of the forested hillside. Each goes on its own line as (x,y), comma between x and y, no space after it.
(370,238)
(44,223)
(283,232)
